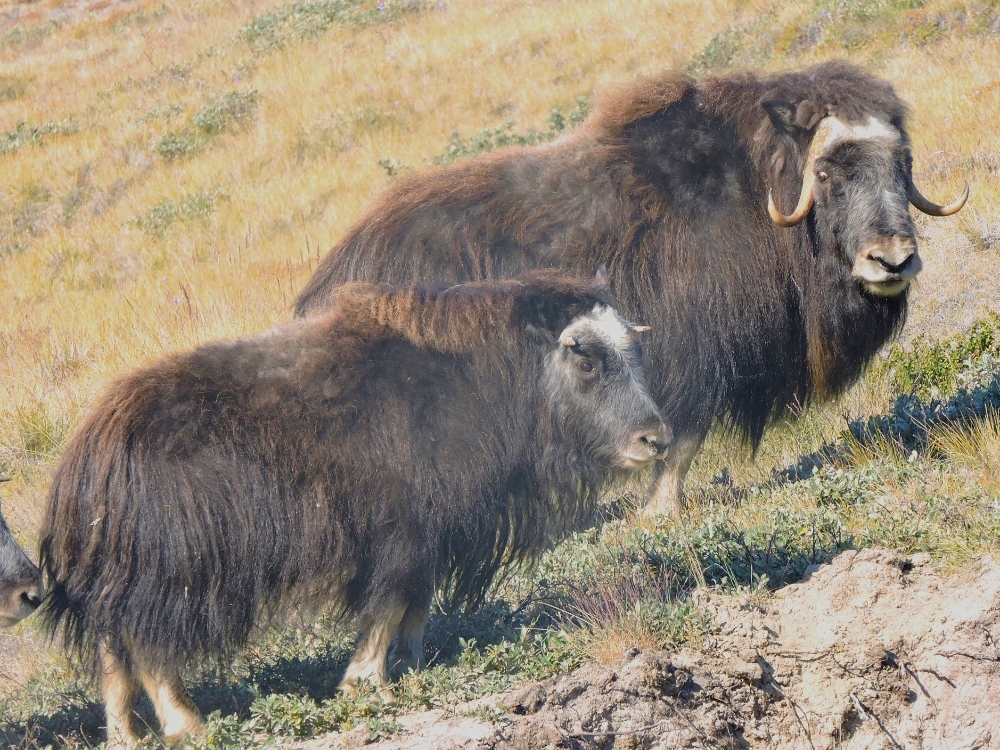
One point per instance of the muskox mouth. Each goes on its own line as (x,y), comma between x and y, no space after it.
(886,270)
(635,460)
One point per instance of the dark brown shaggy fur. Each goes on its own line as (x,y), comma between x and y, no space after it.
(402,443)
(666,184)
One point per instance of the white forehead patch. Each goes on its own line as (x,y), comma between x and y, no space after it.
(606,323)
(838,130)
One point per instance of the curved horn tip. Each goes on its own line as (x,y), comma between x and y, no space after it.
(776,216)
(933,209)
(567,341)
(640,329)
(800,212)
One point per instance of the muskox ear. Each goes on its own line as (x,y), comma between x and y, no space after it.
(782,115)
(808,114)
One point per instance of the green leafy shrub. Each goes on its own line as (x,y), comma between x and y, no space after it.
(225,113)
(24,134)
(929,369)
(168,212)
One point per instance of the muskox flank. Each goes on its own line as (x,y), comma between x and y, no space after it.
(410,441)
(20,581)
(668,183)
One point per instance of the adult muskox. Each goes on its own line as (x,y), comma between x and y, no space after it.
(20,581)
(409,441)
(668,184)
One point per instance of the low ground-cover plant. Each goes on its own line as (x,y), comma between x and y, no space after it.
(930,369)
(24,134)
(839,25)
(489,139)
(299,21)
(225,113)
(168,212)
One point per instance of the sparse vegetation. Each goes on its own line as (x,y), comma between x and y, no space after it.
(488,139)
(166,192)
(24,134)
(166,213)
(298,21)
(223,114)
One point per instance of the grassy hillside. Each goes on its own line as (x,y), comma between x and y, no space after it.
(171,172)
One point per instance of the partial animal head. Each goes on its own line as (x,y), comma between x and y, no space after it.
(20,581)
(596,388)
(856,178)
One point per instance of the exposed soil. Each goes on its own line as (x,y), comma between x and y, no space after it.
(874,650)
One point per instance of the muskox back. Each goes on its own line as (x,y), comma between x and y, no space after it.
(410,441)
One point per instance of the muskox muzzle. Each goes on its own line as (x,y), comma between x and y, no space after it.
(21,588)
(886,266)
(647,444)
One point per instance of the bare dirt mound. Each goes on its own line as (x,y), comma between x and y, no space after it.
(874,650)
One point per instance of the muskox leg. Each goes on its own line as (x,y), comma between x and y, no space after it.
(666,495)
(369,661)
(174,708)
(118,688)
(409,650)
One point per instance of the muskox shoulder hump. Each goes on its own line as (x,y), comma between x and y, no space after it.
(622,106)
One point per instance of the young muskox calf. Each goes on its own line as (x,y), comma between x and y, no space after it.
(409,441)
(20,581)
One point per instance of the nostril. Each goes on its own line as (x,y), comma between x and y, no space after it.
(31,598)
(654,443)
(891,267)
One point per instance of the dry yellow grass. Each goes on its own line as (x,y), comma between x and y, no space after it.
(975,448)
(90,291)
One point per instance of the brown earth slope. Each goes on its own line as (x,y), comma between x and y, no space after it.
(874,650)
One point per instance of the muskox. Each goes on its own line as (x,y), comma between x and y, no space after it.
(409,442)
(20,581)
(678,187)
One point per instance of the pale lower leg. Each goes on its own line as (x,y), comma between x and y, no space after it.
(118,688)
(409,650)
(369,661)
(174,708)
(666,495)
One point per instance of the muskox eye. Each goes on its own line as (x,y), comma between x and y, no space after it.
(586,366)
(822,176)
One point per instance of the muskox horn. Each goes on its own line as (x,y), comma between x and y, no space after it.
(922,204)
(567,341)
(805,203)
(640,329)
(828,128)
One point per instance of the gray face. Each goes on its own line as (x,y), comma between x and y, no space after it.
(20,581)
(596,386)
(862,204)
